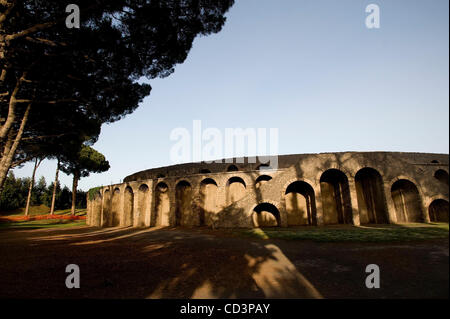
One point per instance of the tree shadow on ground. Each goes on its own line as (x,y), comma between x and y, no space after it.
(202,263)
(147,263)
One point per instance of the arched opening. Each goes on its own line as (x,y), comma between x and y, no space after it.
(441,176)
(300,204)
(438,211)
(160,176)
(128,203)
(162,205)
(266,215)
(406,201)
(371,198)
(183,196)
(261,180)
(236,189)
(435,162)
(106,208)
(335,192)
(143,203)
(209,201)
(232,168)
(97,210)
(115,209)
(205,171)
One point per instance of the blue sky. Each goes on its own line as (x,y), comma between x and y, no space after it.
(309,68)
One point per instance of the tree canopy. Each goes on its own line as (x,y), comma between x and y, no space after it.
(86,161)
(58,81)
(81,164)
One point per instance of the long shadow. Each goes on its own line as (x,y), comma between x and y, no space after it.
(147,263)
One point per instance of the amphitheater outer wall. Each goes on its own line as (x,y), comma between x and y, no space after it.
(359,188)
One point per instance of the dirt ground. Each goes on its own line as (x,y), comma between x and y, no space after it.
(200,263)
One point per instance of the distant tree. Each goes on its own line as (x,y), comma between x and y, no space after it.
(11,198)
(39,191)
(15,191)
(47,198)
(81,164)
(58,81)
(81,199)
(64,198)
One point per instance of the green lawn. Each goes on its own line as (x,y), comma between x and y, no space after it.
(373,233)
(43,223)
(34,211)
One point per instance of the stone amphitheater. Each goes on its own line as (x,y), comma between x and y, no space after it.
(305,189)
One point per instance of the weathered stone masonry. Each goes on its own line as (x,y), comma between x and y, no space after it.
(307,189)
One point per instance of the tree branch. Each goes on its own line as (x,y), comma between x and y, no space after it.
(42,137)
(33,29)
(45,41)
(20,162)
(46,102)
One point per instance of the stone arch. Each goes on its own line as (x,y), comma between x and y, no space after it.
(407,177)
(442,176)
(428,199)
(205,171)
(232,168)
(235,189)
(142,205)
(439,210)
(407,201)
(300,204)
(162,205)
(106,220)
(115,208)
(183,199)
(332,166)
(266,215)
(371,197)
(209,192)
(261,179)
(128,206)
(335,195)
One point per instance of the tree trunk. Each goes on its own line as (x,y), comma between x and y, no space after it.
(10,147)
(76,177)
(30,188)
(52,209)
(4,169)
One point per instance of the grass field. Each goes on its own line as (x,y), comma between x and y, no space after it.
(45,223)
(373,233)
(341,233)
(41,210)
(41,223)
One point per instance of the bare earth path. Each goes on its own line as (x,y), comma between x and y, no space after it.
(200,263)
